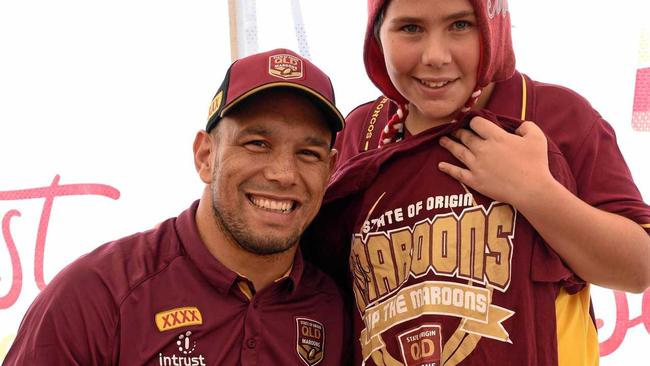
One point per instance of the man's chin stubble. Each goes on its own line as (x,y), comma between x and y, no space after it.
(263,246)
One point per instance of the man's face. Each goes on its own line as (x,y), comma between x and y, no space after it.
(272,161)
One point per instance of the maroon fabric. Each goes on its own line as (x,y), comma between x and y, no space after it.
(397,204)
(102,309)
(583,155)
(369,119)
(497,55)
(586,140)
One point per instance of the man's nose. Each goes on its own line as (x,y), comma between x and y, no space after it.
(283,169)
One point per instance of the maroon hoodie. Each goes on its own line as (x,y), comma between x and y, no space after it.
(440,274)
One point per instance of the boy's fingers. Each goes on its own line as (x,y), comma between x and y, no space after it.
(484,128)
(458,150)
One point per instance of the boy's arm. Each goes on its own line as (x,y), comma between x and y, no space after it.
(601,247)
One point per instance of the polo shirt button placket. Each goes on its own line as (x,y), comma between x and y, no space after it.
(251,343)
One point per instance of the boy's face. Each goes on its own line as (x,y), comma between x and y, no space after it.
(432,55)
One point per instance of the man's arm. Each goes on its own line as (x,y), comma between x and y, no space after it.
(601,247)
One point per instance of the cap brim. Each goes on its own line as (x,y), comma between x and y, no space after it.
(335,119)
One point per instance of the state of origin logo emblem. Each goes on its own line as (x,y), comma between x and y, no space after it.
(310,339)
(285,66)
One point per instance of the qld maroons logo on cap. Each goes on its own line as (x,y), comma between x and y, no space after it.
(310,341)
(285,66)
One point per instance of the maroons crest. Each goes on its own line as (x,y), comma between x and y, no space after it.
(310,341)
(285,66)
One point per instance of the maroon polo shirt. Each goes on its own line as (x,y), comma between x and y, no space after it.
(160,298)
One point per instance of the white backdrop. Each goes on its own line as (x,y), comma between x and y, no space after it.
(100,101)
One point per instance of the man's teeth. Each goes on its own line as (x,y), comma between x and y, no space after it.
(432,84)
(268,204)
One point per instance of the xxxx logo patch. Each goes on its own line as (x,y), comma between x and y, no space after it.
(216,103)
(285,66)
(310,340)
(179,317)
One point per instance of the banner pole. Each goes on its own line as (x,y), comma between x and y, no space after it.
(232,14)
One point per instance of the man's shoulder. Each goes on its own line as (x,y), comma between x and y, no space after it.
(83,301)
(121,265)
(317,281)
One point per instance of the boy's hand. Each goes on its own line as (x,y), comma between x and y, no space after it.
(503,166)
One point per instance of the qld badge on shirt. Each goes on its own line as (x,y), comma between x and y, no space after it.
(310,340)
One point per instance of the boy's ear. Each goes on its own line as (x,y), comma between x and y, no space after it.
(203,157)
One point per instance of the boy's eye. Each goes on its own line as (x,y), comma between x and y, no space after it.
(410,28)
(461,25)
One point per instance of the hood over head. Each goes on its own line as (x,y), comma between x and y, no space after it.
(497,59)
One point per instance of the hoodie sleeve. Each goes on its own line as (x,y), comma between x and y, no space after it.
(362,128)
(589,144)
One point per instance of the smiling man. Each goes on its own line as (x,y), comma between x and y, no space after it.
(224,283)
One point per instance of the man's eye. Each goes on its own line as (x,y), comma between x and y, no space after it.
(311,154)
(256,144)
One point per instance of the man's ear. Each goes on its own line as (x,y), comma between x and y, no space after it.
(334,155)
(203,157)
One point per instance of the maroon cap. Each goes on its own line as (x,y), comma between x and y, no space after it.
(277,68)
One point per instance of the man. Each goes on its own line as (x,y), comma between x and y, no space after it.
(223,283)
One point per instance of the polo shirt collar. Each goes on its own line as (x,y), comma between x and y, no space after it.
(222,278)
